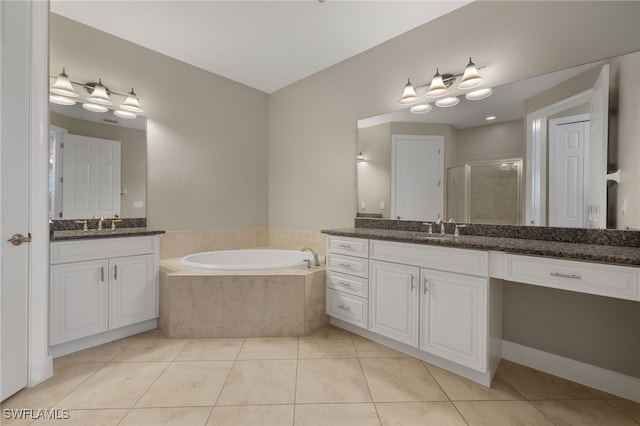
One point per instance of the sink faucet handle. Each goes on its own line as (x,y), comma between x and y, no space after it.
(457,231)
(430,225)
(113,223)
(85,228)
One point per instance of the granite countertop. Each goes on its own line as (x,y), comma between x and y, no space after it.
(620,255)
(75,234)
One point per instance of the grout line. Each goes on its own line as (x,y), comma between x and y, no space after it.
(608,401)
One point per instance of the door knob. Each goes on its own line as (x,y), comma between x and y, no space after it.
(18,239)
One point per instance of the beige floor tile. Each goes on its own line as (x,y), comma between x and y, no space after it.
(326,349)
(458,388)
(66,377)
(152,347)
(331,380)
(369,349)
(187,384)
(210,350)
(192,416)
(269,348)
(100,353)
(630,408)
(501,413)
(534,384)
(336,415)
(328,333)
(254,415)
(260,382)
(88,417)
(583,413)
(419,414)
(400,379)
(116,385)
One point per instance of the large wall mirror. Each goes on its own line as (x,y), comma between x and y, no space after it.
(543,151)
(97,164)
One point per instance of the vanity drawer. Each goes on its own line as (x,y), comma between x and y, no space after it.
(349,265)
(349,246)
(462,261)
(347,307)
(593,278)
(101,248)
(348,283)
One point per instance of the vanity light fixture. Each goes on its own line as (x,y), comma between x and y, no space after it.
(98,96)
(360,157)
(439,87)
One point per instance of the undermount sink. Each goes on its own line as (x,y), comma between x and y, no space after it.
(426,236)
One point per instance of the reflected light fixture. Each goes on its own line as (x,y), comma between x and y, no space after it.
(98,96)
(360,157)
(471,77)
(439,88)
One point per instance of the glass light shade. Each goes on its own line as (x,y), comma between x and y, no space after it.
(420,109)
(99,95)
(471,77)
(437,87)
(479,94)
(124,114)
(132,103)
(63,86)
(61,100)
(448,102)
(95,107)
(409,95)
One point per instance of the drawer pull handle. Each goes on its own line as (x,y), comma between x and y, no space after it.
(342,283)
(344,265)
(571,276)
(115,272)
(102,274)
(344,308)
(345,246)
(426,285)
(413,280)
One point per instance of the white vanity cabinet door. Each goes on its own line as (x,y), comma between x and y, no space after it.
(453,317)
(393,301)
(132,291)
(79,300)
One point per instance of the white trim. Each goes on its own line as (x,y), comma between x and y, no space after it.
(605,380)
(536,160)
(98,339)
(40,360)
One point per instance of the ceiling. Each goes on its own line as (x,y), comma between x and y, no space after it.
(263,44)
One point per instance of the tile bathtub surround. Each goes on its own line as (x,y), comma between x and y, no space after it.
(181,243)
(250,304)
(328,378)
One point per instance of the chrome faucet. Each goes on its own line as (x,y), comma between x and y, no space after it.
(316,258)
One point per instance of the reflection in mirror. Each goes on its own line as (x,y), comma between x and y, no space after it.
(97,164)
(476,148)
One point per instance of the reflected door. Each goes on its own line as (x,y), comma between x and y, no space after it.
(417,179)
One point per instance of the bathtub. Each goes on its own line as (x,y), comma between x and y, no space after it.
(244,260)
(254,296)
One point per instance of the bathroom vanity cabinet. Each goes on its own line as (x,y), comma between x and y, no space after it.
(102,289)
(443,304)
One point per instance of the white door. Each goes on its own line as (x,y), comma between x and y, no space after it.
(598,146)
(568,176)
(417,180)
(79,299)
(14,179)
(452,317)
(132,293)
(393,301)
(90,177)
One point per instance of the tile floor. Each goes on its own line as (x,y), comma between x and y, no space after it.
(330,378)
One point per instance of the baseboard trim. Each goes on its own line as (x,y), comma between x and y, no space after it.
(589,375)
(99,339)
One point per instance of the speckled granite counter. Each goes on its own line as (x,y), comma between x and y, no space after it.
(622,255)
(106,233)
